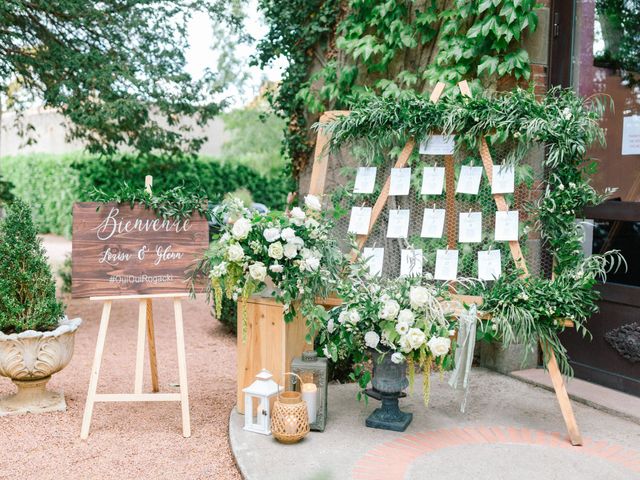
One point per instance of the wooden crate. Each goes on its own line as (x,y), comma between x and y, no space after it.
(270,343)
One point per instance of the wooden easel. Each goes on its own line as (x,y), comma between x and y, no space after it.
(317,186)
(145,329)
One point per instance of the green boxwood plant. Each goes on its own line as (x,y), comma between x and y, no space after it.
(27,288)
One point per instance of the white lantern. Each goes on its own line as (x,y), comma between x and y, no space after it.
(257,418)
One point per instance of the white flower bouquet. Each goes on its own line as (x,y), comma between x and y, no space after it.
(292,250)
(401,317)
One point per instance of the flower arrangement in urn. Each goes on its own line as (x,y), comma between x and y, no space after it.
(36,339)
(292,252)
(401,320)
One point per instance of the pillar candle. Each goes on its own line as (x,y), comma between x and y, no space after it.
(310,395)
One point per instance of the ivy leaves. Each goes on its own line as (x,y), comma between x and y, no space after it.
(483,39)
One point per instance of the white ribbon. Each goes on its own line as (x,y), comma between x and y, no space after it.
(464,353)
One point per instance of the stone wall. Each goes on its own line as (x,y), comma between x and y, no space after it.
(49,134)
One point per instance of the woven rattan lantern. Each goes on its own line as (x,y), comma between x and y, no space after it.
(290,418)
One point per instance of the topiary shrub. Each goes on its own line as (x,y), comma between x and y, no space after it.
(27,288)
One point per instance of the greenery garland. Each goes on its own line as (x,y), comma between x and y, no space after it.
(173,203)
(524,309)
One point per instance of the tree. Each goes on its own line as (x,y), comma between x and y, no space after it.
(27,288)
(114,68)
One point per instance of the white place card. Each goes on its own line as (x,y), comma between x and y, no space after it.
(398,226)
(437,145)
(507,226)
(489,265)
(432,223)
(375,260)
(446,265)
(470,227)
(365,180)
(469,180)
(631,135)
(504,179)
(359,220)
(432,181)
(410,262)
(400,181)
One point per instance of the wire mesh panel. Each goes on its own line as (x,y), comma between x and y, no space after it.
(339,185)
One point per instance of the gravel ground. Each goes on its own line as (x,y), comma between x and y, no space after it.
(130,440)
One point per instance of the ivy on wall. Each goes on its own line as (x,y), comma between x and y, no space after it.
(336,51)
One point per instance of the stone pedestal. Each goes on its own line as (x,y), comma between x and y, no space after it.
(32,397)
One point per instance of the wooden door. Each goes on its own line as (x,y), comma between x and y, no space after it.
(600,63)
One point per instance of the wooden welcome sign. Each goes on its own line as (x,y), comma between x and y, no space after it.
(120,250)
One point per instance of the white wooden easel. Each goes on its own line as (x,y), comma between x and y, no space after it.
(145,330)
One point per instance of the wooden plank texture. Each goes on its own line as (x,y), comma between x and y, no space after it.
(118,250)
(270,343)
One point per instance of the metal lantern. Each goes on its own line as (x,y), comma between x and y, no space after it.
(314,373)
(258,418)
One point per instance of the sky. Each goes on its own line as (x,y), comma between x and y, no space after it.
(201,53)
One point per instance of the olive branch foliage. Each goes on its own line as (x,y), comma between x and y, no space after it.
(523,309)
(174,203)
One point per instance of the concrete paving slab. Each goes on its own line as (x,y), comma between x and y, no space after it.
(510,429)
(596,396)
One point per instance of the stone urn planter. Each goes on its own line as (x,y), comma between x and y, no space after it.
(29,359)
(389,380)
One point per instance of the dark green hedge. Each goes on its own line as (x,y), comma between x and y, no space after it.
(51,183)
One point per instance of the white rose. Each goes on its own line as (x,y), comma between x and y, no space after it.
(219,270)
(271,234)
(402,328)
(312,202)
(241,228)
(418,297)
(331,326)
(406,316)
(311,223)
(258,271)
(371,339)
(235,252)
(276,251)
(404,344)
(397,357)
(354,316)
(297,241)
(290,250)
(297,216)
(343,317)
(390,310)
(416,338)
(312,263)
(288,234)
(439,346)
(276,268)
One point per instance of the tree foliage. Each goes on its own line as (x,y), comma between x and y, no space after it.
(114,68)
(27,289)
